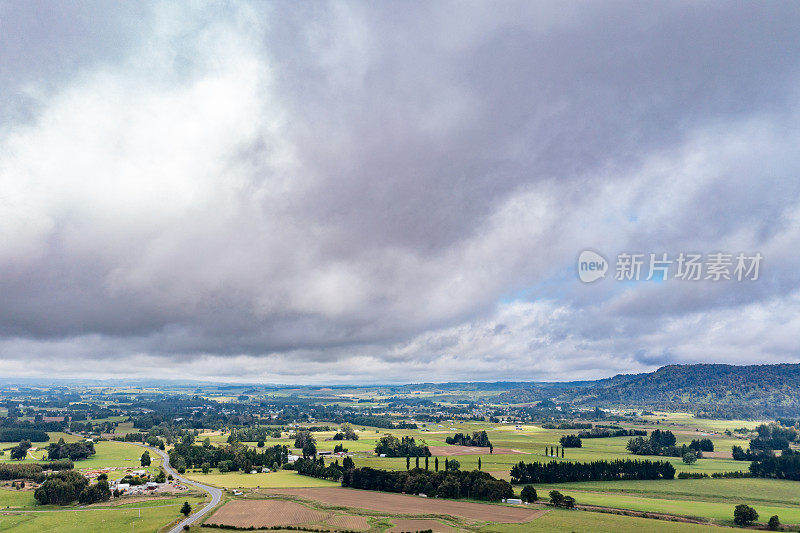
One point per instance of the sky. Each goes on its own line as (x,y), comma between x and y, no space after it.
(393,192)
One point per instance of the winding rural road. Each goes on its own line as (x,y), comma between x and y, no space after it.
(215,493)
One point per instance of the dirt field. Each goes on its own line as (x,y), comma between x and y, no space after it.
(265,513)
(351,522)
(420,525)
(413,505)
(719,455)
(449,451)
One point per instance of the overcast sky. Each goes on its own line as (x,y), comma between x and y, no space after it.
(392,191)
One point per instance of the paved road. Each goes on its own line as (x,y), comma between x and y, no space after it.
(216,494)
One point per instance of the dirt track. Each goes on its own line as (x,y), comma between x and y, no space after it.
(413,505)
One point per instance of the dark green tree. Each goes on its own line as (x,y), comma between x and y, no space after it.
(774,523)
(528,494)
(186,509)
(744,515)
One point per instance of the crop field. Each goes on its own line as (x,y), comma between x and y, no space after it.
(350,522)
(279,479)
(413,505)
(406,524)
(265,513)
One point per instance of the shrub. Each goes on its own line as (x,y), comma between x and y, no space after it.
(774,523)
(570,441)
(744,515)
(528,494)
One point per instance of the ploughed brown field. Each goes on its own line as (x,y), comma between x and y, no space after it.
(420,525)
(392,503)
(265,513)
(719,455)
(449,451)
(350,522)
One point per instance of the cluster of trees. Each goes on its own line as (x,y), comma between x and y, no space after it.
(560,500)
(478,438)
(740,454)
(74,451)
(661,443)
(383,422)
(560,472)
(306,442)
(316,468)
(15,434)
(346,433)
(785,466)
(65,487)
(567,425)
(30,471)
(394,447)
(445,484)
(570,441)
(702,445)
(19,451)
(253,434)
(552,451)
(600,433)
(229,458)
(769,437)
(97,492)
(773,437)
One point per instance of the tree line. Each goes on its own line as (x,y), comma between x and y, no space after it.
(785,466)
(391,446)
(601,433)
(309,466)
(560,472)
(74,451)
(19,434)
(478,438)
(230,458)
(65,487)
(444,484)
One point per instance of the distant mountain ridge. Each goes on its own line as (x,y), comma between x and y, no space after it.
(714,389)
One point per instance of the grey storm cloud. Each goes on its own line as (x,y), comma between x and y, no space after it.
(351,192)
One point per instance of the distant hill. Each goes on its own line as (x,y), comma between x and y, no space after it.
(718,390)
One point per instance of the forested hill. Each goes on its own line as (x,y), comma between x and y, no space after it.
(722,390)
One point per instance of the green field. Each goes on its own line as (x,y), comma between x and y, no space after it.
(558,520)
(280,479)
(712,499)
(135,518)
(115,454)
